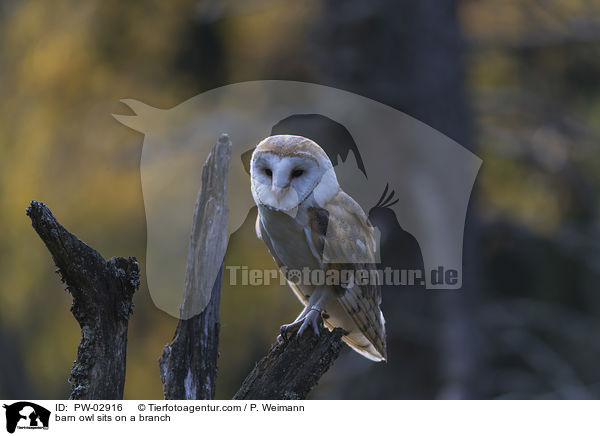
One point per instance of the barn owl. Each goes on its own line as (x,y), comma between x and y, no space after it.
(307,221)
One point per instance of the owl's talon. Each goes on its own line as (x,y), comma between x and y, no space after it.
(313,319)
(282,335)
(287,330)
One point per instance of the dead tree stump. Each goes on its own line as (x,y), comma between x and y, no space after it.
(188,365)
(102,294)
(292,369)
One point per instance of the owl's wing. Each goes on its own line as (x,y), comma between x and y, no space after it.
(340,231)
(259,232)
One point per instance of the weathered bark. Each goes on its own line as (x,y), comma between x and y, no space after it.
(290,370)
(102,294)
(188,365)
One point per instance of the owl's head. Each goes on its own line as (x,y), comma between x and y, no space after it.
(286,169)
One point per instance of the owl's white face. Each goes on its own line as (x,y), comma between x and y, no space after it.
(283,182)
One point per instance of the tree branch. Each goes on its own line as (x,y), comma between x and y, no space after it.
(291,370)
(188,365)
(102,294)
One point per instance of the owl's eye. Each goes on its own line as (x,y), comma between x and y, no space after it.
(297,173)
(268,172)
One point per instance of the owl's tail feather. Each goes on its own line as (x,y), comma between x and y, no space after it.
(369,351)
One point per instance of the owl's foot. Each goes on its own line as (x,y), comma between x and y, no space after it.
(311,319)
(287,330)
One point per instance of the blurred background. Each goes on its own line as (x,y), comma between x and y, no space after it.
(517,82)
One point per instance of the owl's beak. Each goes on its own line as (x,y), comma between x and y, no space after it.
(281,192)
(280,185)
